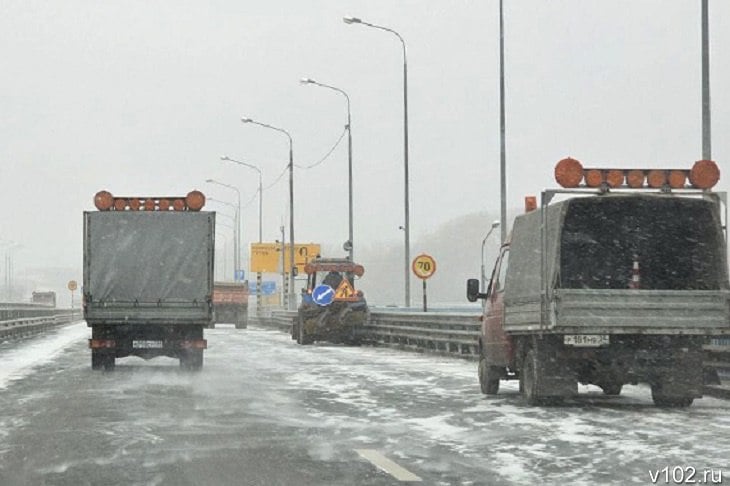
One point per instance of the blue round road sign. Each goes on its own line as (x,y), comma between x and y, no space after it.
(323,295)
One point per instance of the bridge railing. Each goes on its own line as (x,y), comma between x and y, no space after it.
(31,325)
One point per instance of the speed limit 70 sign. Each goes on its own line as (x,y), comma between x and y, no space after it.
(423,266)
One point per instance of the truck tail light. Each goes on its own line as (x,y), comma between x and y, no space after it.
(194,344)
(102,343)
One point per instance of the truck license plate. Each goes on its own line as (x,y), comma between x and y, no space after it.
(144,344)
(587,340)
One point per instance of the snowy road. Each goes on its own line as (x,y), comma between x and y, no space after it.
(266,411)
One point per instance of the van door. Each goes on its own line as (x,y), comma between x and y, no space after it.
(497,345)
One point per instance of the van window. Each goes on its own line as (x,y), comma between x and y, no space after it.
(502,275)
(677,242)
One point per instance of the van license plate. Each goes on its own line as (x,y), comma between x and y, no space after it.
(142,344)
(586,340)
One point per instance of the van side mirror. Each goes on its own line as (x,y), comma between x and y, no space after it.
(472,290)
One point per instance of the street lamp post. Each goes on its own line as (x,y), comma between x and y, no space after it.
(495,224)
(261,189)
(407,225)
(350,241)
(706,125)
(502,141)
(225,241)
(292,299)
(237,256)
(259,279)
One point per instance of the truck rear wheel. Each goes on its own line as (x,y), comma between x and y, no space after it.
(488,377)
(612,389)
(191,359)
(101,360)
(667,398)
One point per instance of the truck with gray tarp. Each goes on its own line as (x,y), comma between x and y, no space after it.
(148,278)
(607,287)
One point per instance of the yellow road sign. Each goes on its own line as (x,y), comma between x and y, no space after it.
(303,253)
(345,291)
(423,266)
(72,285)
(266,257)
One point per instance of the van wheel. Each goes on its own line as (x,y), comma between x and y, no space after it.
(488,377)
(529,378)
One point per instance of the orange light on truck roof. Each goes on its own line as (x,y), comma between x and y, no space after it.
(570,173)
(530,203)
(593,177)
(656,178)
(103,200)
(704,174)
(677,179)
(195,200)
(614,178)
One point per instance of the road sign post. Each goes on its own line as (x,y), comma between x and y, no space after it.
(72,286)
(424,266)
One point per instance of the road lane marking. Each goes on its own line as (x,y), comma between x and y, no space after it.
(385,464)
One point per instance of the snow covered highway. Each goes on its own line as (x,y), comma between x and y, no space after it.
(266,411)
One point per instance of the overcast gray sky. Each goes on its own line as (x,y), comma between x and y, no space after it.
(141,98)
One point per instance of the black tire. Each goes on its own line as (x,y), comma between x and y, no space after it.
(191,360)
(664,400)
(529,378)
(101,361)
(612,389)
(303,338)
(295,328)
(488,377)
(97,360)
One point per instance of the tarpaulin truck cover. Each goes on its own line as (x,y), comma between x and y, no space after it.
(148,265)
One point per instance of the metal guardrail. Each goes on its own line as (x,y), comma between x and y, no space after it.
(32,325)
(457,334)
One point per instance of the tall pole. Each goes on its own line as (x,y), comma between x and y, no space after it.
(237,243)
(348,127)
(407,223)
(292,297)
(291,305)
(502,145)
(706,127)
(261,189)
(407,274)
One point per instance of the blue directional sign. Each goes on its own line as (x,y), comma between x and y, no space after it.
(323,295)
(268,287)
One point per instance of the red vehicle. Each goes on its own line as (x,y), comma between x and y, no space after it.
(230,303)
(620,283)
